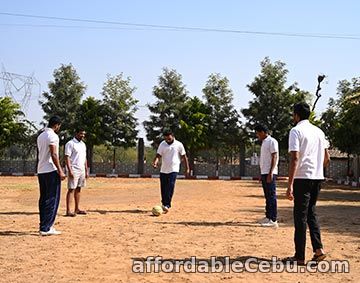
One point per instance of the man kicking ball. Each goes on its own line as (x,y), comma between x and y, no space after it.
(171,153)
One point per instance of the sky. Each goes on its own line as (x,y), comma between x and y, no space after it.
(38,46)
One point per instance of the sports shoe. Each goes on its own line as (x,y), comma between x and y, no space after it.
(270,223)
(51,232)
(264,220)
(165,208)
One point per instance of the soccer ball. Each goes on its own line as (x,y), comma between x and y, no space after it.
(157,210)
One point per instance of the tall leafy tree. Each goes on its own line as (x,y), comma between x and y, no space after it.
(14,128)
(120,118)
(166,112)
(341,120)
(63,99)
(224,119)
(273,100)
(91,118)
(194,128)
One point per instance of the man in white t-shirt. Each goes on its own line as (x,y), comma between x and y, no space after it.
(308,148)
(171,152)
(269,170)
(76,165)
(50,175)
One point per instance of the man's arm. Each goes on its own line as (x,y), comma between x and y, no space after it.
(186,162)
(294,159)
(274,157)
(68,166)
(55,159)
(156,160)
(326,158)
(86,169)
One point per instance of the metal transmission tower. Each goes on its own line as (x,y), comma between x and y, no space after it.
(19,87)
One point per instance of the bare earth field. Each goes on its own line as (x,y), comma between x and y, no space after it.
(208,218)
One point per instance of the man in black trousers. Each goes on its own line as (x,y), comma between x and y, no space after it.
(50,175)
(308,148)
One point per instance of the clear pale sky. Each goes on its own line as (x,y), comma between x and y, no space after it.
(34,45)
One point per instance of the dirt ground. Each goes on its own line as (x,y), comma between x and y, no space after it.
(208,218)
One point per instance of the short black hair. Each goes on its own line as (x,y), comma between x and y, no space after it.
(167,132)
(79,129)
(261,128)
(302,109)
(54,120)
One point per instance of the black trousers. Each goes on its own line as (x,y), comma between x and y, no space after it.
(50,186)
(305,196)
(167,184)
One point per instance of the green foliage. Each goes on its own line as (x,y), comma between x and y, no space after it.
(90,118)
(102,153)
(341,120)
(194,127)
(273,101)
(224,123)
(14,128)
(167,111)
(120,120)
(63,99)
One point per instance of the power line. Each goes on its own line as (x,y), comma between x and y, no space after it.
(184,28)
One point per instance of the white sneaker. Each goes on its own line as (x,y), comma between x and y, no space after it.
(270,223)
(165,209)
(264,220)
(51,232)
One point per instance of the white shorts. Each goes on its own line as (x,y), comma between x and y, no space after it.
(78,181)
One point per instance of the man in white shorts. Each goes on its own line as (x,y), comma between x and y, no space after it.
(76,165)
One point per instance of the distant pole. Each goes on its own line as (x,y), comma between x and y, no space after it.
(317,94)
(141,154)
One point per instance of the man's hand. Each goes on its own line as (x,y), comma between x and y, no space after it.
(187,172)
(154,164)
(62,175)
(269,178)
(86,174)
(289,192)
(71,174)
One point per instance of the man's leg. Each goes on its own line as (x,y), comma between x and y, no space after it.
(264,186)
(69,197)
(172,181)
(77,201)
(80,183)
(272,199)
(301,204)
(56,189)
(312,220)
(44,195)
(164,184)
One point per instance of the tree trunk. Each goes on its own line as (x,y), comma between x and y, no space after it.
(114,161)
(90,153)
(192,163)
(242,159)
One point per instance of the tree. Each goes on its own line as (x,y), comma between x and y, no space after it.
(166,112)
(91,118)
(63,99)
(273,101)
(14,128)
(120,120)
(194,127)
(224,124)
(341,121)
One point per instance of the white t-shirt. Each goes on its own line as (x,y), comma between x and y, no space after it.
(268,146)
(171,156)
(76,150)
(45,139)
(311,143)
